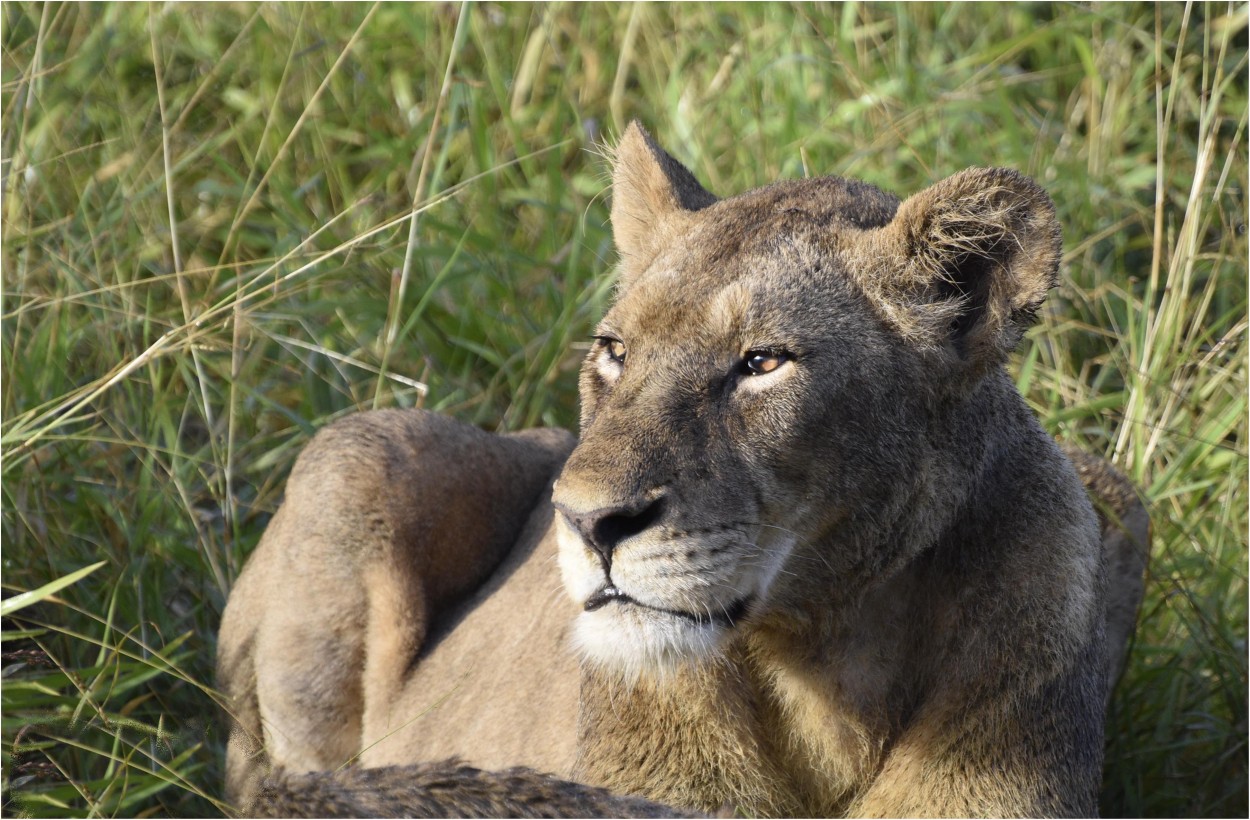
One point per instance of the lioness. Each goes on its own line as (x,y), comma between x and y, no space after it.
(816,556)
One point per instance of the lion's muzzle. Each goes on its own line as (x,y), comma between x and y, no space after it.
(657,587)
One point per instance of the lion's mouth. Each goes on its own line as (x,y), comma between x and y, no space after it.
(726,617)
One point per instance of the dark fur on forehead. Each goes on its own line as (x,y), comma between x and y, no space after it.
(832,201)
(818,208)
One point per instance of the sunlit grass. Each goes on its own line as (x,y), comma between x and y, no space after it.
(210,249)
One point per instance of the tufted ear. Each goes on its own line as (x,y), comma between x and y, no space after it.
(969,261)
(651,192)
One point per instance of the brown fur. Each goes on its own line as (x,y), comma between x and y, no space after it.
(445,789)
(324,623)
(1125,528)
(863,581)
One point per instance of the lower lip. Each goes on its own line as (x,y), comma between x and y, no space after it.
(604,595)
(729,617)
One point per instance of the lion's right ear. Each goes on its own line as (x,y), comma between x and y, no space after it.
(651,193)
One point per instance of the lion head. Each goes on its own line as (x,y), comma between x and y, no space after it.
(780,405)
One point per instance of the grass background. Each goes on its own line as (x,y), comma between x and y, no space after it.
(210,250)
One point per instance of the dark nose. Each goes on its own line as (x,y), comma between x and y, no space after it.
(603,529)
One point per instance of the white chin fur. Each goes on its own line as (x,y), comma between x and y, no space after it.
(635,641)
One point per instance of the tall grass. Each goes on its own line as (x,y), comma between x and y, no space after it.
(225,226)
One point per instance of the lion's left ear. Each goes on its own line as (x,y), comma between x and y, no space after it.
(971,260)
(651,193)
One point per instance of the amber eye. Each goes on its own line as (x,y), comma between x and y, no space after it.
(760,362)
(615,348)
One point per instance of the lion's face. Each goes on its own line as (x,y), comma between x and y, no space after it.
(747,395)
(714,402)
